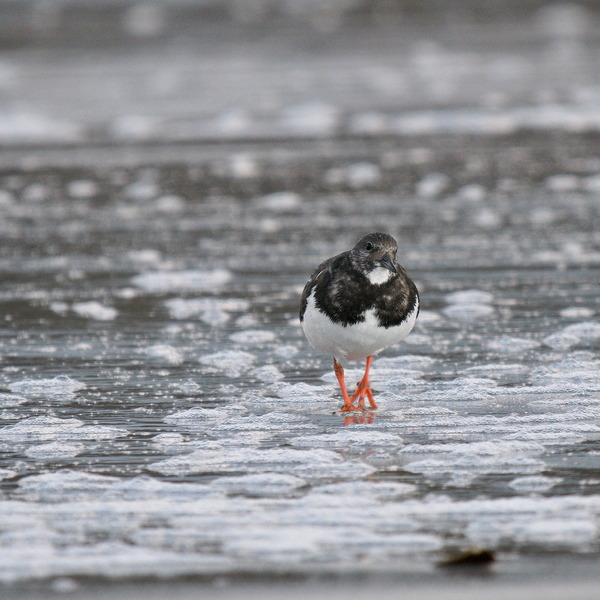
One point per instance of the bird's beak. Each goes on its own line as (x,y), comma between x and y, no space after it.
(387,263)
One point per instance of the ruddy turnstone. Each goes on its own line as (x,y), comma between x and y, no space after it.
(356,304)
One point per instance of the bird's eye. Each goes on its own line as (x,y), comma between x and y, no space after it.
(368,246)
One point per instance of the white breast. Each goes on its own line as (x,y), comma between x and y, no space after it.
(353,341)
(379,275)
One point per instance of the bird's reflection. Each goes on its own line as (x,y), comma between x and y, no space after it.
(366,417)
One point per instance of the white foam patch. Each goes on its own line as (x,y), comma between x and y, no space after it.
(310,464)
(136,127)
(186,308)
(260,484)
(472,382)
(310,119)
(170,442)
(350,440)
(246,321)
(561,341)
(549,116)
(580,372)
(291,543)
(408,361)
(363,174)
(22,127)
(75,486)
(464,469)
(407,379)
(468,312)
(268,374)
(164,282)
(82,189)
(475,449)
(39,429)
(233,363)
(253,337)
(534,484)
(170,204)
(586,331)
(6,198)
(188,388)
(202,415)
(94,310)
(235,122)
(462,463)
(270,423)
(356,176)
(463,390)
(65,485)
(375,490)
(512,345)
(573,534)
(164,353)
(591,183)
(36,192)
(576,535)
(472,192)
(7,474)
(563,183)
(577,312)
(557,434)
(60,308)
(279,202)
(546,428)
(145,256)
(8,400)
(498,370)
(469,297)
(303,391)
(111,560)
(144,488)
(286,351)
(432,185)
(57,386)
(237,427)
(213,311)
(54,451)
(243,166)
(419,412)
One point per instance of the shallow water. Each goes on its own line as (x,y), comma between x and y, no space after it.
(164,416)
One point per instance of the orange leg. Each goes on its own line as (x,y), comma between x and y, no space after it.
(339,373)
(364,388)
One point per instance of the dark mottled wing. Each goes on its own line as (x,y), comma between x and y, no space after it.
(345,294)
(322,272)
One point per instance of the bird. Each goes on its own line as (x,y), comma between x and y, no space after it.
(357,304)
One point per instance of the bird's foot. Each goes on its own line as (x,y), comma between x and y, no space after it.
(363,391)
(349,407)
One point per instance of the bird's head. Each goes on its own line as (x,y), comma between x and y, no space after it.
(374,255)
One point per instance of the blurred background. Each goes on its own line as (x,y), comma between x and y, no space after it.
(179,70)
